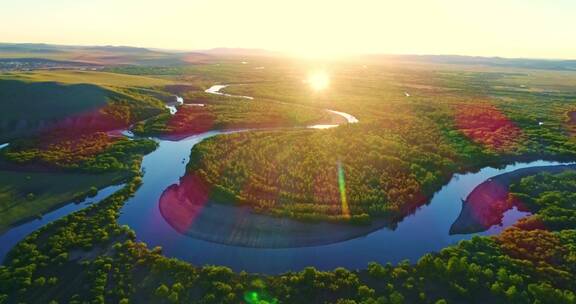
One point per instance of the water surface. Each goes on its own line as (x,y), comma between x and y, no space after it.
(424,231)
(216,89)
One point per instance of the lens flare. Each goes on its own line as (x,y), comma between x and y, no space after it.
(342,187)
(318,80)
(254,297)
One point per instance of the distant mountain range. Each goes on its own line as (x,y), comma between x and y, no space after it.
(127,55)
(239,52)
(100,55)
(547,64)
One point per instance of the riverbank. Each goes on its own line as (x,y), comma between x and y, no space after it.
(217,89)
(190,210)
(207,233)
(197,120)
(486,204)
(20,202)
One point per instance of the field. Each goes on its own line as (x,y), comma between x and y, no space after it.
(96,56)
(91,77)
(66,100)
(26,195)
(77,98)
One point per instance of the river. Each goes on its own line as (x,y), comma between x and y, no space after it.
(216,89)
(424,231)
(427,230)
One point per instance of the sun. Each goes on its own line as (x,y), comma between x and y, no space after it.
(318,80)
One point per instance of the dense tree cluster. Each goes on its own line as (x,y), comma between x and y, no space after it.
(297,173)
(89,257)
(94,153)
(551,196)
(59,151)
(401,152)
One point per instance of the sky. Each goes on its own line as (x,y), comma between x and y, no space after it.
(507,28)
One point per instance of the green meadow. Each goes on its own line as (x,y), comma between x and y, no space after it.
(27,195)
(86,77)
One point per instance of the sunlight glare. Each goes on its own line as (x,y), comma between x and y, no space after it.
(342,188)
(318,80)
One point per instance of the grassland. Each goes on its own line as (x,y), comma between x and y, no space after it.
(85,96)
(86,77)
(25,195)
(48,99)
(98,55)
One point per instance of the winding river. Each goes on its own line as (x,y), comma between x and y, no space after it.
(217,90)
(173,106)
(226,235)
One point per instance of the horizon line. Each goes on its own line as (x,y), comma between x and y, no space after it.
(285,53)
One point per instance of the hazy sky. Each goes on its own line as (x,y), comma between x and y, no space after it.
(511,28)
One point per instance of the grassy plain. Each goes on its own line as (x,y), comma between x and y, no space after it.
(47,99)
(33,101)
(25,195)
(85,77)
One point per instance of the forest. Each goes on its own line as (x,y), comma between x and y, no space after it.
(551,196)
(404,149)
(102,262)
